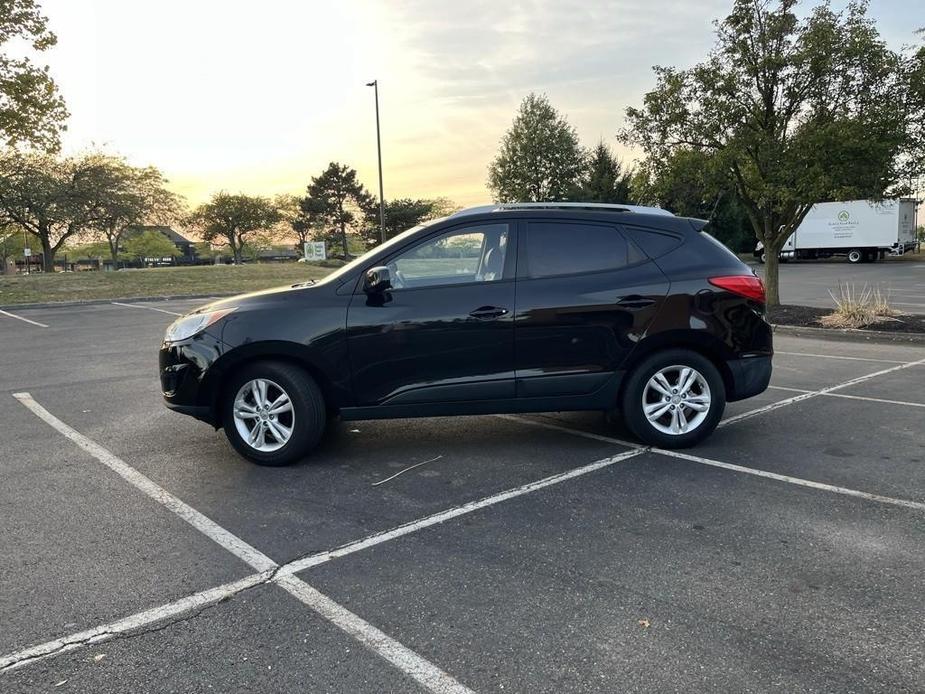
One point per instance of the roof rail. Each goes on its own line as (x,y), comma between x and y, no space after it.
(591,206)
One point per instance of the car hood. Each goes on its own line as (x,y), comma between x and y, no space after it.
(261,298)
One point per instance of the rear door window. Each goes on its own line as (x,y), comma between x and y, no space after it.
(569,248)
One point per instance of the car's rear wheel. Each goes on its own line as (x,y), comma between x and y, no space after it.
(273,413)
(674,399)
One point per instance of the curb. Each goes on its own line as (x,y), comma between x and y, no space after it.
(849,335)
(137,300)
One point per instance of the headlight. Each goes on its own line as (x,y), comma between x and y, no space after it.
(185,327)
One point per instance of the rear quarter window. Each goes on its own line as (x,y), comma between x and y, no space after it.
(654,243)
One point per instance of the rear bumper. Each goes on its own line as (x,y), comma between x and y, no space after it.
(750,376)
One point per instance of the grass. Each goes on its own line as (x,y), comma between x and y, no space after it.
(858,308)
(153,282)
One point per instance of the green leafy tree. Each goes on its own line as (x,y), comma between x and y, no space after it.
(54,199)
(335,202)
(12,243)
(89,251)
(540,158)
(290,226)
(232,219)
(403,214)
(150,244)
(795,110)
(605,178)
(691,184)
(31,110)
(131,197)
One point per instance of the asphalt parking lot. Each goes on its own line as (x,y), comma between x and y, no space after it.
(805,283)
(543,553)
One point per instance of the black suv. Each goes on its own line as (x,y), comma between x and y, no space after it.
(504,308)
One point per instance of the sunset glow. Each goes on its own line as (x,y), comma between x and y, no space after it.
(258,97)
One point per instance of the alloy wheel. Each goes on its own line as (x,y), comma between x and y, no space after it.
(263,415)
(676,400)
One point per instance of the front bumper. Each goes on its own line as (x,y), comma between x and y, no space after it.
(750,376)
(185,370)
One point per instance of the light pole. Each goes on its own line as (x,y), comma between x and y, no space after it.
(375,85)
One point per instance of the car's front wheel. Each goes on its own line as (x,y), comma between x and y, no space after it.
(273,413)
(674,399)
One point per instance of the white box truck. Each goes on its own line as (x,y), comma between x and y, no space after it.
(860,230)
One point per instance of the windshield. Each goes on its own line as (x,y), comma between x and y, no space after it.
(363,259)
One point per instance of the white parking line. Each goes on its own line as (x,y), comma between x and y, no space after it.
(853,397)
(568,430)
(838,356)
(408,528)
(425,673)
(729,466)
(283,573)
(905,503)
(814,393)
(790,390)
(869,399)
(206,526)
(130,623)
(148,308)
(24,320)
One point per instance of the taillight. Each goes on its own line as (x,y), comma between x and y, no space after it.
(749,286)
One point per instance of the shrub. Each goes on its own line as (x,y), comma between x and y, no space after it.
(857,308)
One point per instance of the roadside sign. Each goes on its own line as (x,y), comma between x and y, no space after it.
(314,250)
(27,252)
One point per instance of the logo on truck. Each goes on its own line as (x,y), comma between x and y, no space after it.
(843,216)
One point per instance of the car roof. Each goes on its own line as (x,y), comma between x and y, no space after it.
(558,206)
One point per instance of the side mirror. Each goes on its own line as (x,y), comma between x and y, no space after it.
(378,280)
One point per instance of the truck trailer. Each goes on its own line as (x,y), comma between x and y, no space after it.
(860,230)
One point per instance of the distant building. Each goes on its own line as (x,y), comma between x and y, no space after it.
(186,247)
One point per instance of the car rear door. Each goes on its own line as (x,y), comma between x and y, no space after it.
(585,295)
(445,331)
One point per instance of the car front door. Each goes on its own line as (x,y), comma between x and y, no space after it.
(444,331)
(585,296)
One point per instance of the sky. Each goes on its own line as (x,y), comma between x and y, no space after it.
(258,97)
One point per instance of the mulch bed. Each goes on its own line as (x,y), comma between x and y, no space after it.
(808,317)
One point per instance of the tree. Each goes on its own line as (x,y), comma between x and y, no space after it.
(292,222)
(335,200)
(11,243)
(31,110)
(54,199)
(150,244)
(540,159)
(691,183)
(605,179)
(794,110)
(233,218)
(403,214)
(131,197)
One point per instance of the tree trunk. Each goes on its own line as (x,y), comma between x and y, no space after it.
(48,254)
(771,276)
(113,250)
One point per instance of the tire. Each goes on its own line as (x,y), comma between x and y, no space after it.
(855,256)
(640,390)
(763,258)
(305,420)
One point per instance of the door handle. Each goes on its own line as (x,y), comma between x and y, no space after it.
(634,302)
(488,312)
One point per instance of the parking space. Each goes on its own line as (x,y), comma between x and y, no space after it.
(540,553)
(808,283)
